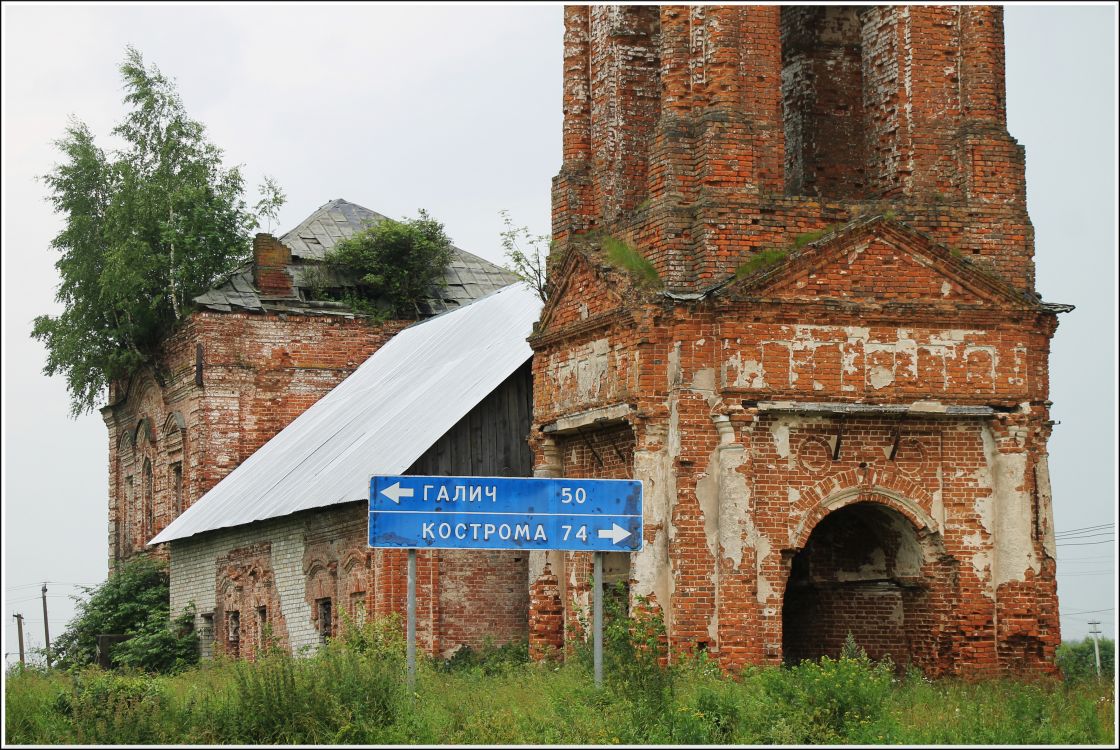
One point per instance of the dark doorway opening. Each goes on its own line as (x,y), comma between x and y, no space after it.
(860,573)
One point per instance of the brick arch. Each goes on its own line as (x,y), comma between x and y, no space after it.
(888,488)
(892,599)
(354,588)
(174,427)
(144,432)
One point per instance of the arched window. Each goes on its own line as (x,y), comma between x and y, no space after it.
(122,536)
(174,446)
(149,510)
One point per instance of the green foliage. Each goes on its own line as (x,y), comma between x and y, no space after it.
(147,228)
(626,258)
(352,691)
(489,659)
(109,708)
(827,700)
(530,264)
(761,261)
(272,198)
(1079,662)
(395,264)
(133,601)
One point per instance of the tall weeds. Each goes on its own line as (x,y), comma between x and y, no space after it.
(352,691)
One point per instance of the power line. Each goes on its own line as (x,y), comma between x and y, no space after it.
(51,583)
(1089,611)
(1084,544)
(1085,535)
(1085,528)
(1094,526)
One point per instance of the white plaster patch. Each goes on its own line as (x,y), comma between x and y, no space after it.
(1045,504)
(746,373)
(704,379)
(780,433)
(582,376)
(1011,511)
(857,333)
(880,377)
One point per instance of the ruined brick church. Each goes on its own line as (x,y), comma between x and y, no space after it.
(837,396)
(829,369)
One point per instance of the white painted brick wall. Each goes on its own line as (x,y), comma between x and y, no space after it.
(193,573)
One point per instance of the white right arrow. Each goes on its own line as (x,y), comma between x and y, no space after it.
(616,533)
(395,492)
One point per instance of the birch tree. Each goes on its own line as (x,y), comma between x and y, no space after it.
(147,228)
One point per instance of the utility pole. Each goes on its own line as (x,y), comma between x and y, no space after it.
(1096,633)
(19,629)
(46,627)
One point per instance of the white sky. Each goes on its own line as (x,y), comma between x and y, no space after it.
(458,110)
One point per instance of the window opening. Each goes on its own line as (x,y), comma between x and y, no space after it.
(324,607)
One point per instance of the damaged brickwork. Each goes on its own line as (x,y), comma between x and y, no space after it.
(847,435)
(253,355)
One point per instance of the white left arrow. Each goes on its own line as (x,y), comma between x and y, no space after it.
(616,533)
(395,492)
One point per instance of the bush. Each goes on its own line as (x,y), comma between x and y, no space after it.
(109,708)
(489,659)
(827,700)
(1077,661)
(133,601)
(395,264)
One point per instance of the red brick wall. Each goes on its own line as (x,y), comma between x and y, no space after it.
(258,373)
(881,102)
(775,122)
(462,598)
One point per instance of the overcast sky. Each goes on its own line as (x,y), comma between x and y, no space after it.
(458,110)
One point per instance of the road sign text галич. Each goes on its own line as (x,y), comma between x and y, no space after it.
(426,512)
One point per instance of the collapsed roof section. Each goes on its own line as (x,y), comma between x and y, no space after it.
(466,279)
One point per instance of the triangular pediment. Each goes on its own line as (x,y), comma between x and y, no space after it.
(879,261)
(581,290)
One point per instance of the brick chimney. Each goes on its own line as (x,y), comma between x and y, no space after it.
(271,258)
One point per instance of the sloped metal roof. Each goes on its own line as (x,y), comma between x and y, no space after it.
(466,279)
(379,420)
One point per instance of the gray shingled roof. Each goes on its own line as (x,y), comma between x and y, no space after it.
(467,278)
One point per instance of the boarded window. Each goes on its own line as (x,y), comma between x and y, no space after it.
(233,632)
(323,607)
(358,607)
(149,503)
(263,630)
(177,488)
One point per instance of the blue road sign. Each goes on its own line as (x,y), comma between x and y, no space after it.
(589,515)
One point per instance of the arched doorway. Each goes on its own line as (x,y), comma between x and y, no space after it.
(860,572)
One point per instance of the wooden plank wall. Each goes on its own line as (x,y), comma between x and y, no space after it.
(491,440)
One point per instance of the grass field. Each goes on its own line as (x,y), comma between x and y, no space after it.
(354,692)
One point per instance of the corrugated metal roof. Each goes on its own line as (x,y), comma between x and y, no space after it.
(379,420)
(467,278)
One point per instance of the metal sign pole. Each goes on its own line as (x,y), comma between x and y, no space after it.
(598,616)
(411,627)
